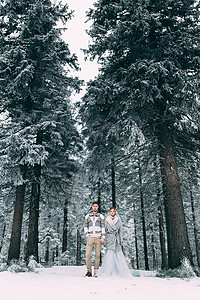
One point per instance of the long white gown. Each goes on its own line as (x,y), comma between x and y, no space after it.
(114,262)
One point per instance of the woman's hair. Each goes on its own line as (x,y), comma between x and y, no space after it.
(112,208)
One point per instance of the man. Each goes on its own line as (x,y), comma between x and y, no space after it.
(94,228)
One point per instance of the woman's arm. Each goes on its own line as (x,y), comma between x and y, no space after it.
(120,232)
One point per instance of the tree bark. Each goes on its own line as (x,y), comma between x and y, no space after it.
(57,248)
(99,194)
(143,218)
(195,226)
(53,256)
(32,241)
(164,258)
(3,235)
(15,242)
(57,252)
(47,251)
(78,252)
(136,246)
(65,226)
(177,235)
(99,203)
(113,183)
(154,260)
(164,263)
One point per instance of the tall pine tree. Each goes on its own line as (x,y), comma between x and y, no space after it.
(149,51)
(35,94)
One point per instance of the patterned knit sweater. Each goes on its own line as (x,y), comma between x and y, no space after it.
(94,225)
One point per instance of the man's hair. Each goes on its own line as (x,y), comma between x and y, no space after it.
(95,202)
(112,208)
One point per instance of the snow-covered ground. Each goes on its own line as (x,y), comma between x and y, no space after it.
(59,283)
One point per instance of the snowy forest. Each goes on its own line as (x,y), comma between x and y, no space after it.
(132,141)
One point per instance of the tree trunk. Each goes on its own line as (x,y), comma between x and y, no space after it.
(65,226)
(143,218)
(58,231)
(136,246)
(47,251)
(78,252)
(177,236)
(154,260)
(3,235)
(113,183)
(32,241)
(195,226)
(99,194)
(15,242)
(164,258)
(99,203)
(164,263)
(57,252)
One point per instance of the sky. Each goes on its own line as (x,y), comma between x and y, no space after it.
(77,38)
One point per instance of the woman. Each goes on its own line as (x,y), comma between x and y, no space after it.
(114,263)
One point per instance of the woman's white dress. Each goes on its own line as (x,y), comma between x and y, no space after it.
(114,262)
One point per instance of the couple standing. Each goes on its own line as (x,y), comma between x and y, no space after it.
(98,230)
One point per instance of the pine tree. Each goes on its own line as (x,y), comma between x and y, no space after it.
(149,50)
(35,92)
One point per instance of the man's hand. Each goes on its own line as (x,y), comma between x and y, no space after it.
(101,241)
(121,243)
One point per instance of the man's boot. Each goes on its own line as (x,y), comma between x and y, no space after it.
(88,274)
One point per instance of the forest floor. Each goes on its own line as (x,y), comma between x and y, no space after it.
(66,282)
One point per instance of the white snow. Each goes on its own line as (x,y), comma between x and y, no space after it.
(69,283)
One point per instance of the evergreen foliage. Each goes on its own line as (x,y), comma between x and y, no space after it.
(35,90)
(185,271)
(145,99)
(149,53)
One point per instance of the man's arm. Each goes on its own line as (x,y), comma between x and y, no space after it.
(86,229)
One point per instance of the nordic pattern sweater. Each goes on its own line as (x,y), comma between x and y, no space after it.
(94,225)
